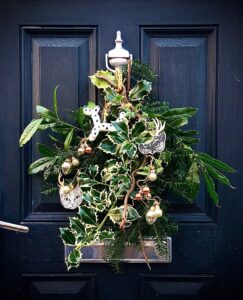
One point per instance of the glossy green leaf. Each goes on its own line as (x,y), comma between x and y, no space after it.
(184,112)
(117,137)
(41,164)
(121,127)
(77,226)
(215,163)
(217,175)
(68,140)
(73,259)
(144,137)
(106,235)
(29,131)
(45,151)
(210,187)
(55,99)
(93,170)
(192,181)
(45,113)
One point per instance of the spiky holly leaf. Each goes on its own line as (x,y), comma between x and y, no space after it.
(87,216)
(137,129)
(115,214)
(67,236)
(141,89)
(73,259)
(106,235)
(107,146)
(129,148)
(101,83)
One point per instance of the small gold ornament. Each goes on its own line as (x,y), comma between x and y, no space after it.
(67,166)
(145,190)
(88,150)
(75,162)
(158,211)
(153,213)
(138,196)
(148,196)
(66,189)
(80,150)
(152,175)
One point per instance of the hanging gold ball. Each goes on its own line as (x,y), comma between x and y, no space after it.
(80,150)
(66,166)
(146,190)
(138,196)
(158,211)
(148,196)
(88,150)
(150,218)
(66,189)
(75,162)
(152,176)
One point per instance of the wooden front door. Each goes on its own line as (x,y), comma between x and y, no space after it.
(195,48)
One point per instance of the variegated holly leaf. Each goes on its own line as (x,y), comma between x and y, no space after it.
(85,181)
(73,259)
(67,236)
(105,235)
(129,148)
(117,137)
(141,89)
(116,214)
(93,170)
(107,146)
(77,226)
(93,199)
(102,83)
(87,216)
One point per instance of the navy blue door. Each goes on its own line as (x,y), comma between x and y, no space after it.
(195,48)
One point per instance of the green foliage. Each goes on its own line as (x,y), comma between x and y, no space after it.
(111,171)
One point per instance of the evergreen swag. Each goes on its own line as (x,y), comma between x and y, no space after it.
(113,173)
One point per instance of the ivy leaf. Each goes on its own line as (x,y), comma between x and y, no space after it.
(215,163)
(67,236)
(41,164)
(107,146)
(55,99)
(137,129)
(140,90)
(129,148)
(210,187)
(29,131)
(68,140)
(45,151)
(73,259)
(87,216)
(101,83)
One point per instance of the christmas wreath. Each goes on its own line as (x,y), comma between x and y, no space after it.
(114,165)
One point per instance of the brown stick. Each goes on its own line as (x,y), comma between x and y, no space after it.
(14,227)
(132,187)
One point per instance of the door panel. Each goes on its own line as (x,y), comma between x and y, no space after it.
(195,48)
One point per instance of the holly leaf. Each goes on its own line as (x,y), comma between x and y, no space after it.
(115,214)
(144,137)
(117,137)
(107,146)
(93,170)
(41,164)
(137,129)
(85,181)
(129,148)
(77,226)
(67,236)
(29,131)
(141,89)
(113,96)
(87,216)
(102,83)
(121,127)
(106,235)
(73,259)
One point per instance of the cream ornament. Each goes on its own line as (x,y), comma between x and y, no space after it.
(98,126)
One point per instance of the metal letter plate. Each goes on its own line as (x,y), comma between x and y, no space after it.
(96,252)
